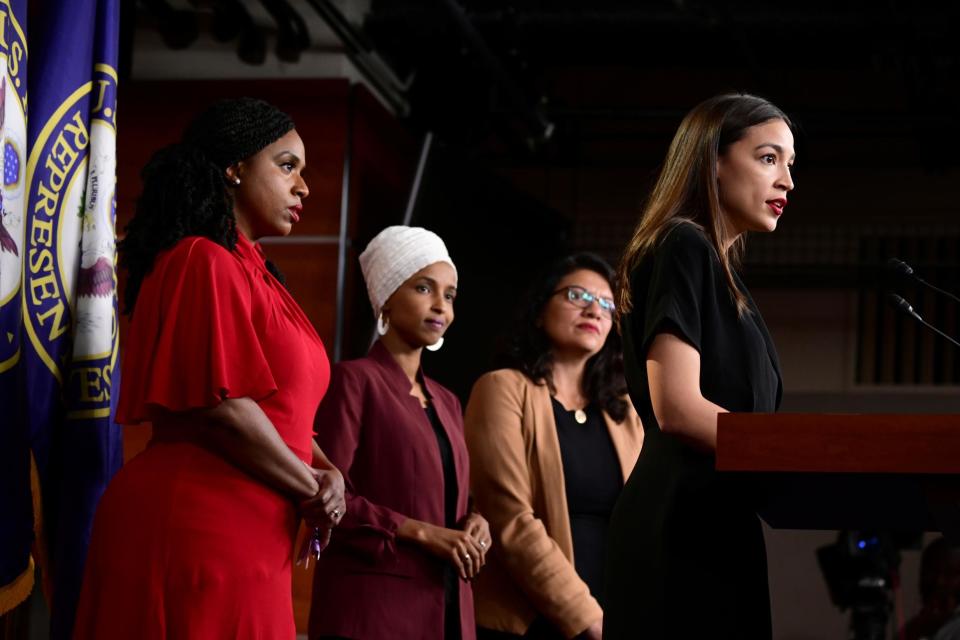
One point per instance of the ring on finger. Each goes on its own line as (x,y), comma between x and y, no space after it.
(335,513)
(483,544)
(466,556)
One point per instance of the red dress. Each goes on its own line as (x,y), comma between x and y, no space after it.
(185,545)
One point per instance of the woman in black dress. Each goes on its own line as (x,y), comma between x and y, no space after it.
(686,557)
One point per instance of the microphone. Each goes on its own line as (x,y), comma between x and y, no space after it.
(902,269)
(904,307)
(901,305)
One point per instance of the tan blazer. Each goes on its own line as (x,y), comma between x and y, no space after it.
(516,478)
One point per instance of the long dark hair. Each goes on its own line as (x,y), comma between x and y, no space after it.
(185,186)
(530,351)
(184,194)
(686,190)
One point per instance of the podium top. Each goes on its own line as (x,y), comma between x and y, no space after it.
(838,443)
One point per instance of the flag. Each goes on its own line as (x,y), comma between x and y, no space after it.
(69,284)
(16,513)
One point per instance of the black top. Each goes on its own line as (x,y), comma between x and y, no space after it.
(449,470)
(451,593)
(686,553)
(593,480)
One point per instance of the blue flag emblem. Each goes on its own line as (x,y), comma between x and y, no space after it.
(16,510)
(69,284)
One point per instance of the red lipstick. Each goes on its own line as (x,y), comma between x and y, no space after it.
(777,205)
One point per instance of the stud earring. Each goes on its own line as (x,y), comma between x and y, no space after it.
(383,325)
(236,181)
(435,346)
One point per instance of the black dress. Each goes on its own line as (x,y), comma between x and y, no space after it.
(592,480)
(451,589)
(686,557)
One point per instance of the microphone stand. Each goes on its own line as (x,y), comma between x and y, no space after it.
(904,307)
(902,268)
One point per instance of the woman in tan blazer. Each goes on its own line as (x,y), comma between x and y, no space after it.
(552,440)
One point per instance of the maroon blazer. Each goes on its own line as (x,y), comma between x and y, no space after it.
(368,583)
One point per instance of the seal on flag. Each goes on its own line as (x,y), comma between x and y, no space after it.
(13,202)
(62,169)
(96,326)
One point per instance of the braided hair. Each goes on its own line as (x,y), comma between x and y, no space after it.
(185,190)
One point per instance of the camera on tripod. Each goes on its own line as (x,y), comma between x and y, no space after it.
(861,570)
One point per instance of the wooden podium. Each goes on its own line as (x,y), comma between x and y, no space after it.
(834,471)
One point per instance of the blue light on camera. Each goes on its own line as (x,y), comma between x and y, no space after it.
(868,542)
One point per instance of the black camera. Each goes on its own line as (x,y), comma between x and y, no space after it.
(861,570)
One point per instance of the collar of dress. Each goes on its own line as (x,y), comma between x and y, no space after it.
(250,251)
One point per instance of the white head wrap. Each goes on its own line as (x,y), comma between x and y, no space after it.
(395,254)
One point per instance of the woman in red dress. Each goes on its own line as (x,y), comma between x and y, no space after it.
(193,538)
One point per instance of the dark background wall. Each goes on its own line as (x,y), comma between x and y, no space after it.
(549,122)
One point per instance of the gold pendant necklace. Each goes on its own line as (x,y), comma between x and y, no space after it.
(580,416)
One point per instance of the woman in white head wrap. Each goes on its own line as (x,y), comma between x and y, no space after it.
(400,564)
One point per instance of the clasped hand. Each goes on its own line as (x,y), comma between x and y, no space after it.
(466,549)
(327,507)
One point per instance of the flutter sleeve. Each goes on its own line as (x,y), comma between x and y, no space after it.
(679,280)
(192,342)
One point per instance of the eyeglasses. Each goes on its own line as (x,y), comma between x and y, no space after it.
(582,298)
